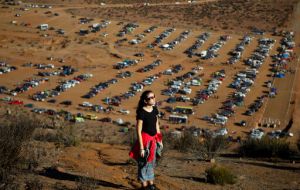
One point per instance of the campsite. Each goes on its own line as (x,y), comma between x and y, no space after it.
(86,64)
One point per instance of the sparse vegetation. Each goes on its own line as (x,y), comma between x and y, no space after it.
(66,137)
(15,131)
(60,186)
(34,185)
(222,14)
(212,147)
(220,175)
(63,136)
(186,143)
(205,148)
(266,148)
(86,184)
(298,144)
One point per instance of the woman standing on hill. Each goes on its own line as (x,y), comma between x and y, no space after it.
(149,139)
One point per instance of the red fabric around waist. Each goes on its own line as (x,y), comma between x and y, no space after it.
(147,139)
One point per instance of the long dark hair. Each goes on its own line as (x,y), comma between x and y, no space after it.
(142,103)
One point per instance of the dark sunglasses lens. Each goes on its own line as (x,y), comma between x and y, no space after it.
(152,97)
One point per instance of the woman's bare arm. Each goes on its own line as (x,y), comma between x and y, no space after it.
(139,132)
(157,126)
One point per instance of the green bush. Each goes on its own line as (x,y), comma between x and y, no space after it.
(266,148)
(220,175)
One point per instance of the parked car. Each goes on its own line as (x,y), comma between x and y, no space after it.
(256,133)
(16,102)
(66,102)
(91,117)
(124,111)
(86,104)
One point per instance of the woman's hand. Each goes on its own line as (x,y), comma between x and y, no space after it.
(161,144)
(142,153)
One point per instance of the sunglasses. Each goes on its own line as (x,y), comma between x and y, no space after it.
(150,98)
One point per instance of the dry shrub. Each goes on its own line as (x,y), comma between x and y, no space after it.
(15,131)
(211,147)
(86,184)
(63,136)
(206,147)
(220,175)
(60,186)
(129,137)
(266,148)
(66,137)
(34,185)
(298,144)
(186,143)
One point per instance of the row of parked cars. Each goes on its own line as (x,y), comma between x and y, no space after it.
(62,71)
(237,52)
(43,95)
(257,58)
(182,85)
(125,74)
(256,105)
(98,26)
(173,69)
(100,87)
(139,86)
(27,85)
(198,43)
(6,68)
(68,116)
(162,36)
(151,66)
(183,36)
(128,28)
(212,51)
(133,89)
(242,83)
(284,56)
(99,108)
(139,37)
(44,66)
(126,63)
(212,87)
(85,20)
(258,133)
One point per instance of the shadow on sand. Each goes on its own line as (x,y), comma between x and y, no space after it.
(55,174)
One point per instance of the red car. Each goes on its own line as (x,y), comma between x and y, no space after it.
(16,102)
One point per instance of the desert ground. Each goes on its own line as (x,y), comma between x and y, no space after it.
(105,159)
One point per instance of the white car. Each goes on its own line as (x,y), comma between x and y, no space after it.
(220,117)
(256,134)
(187,90)
(86,104)
(124,111)
(221,132)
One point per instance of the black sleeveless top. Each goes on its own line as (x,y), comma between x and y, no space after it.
(149,120)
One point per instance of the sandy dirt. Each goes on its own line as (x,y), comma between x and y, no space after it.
(20,44)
